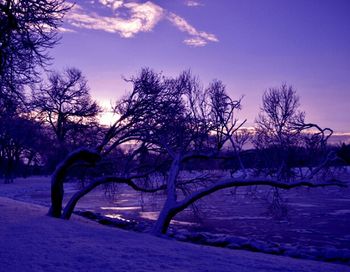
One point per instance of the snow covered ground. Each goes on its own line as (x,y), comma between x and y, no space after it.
(31,241)
(318,217)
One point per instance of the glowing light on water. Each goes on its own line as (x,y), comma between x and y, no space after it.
(149,215)
(183,223)
(154,216)
(340,212)
(117,216)
(131,208)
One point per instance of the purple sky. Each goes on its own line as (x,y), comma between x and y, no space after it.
(250,45)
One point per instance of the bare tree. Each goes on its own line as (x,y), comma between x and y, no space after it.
(17,150)
(227,128)
(280,118)
(149,114)
(185,121)
(281,130)
(242,137)
(28,28)
(177,119)
(65,103)
(278,129)
(188,139)
(133,113)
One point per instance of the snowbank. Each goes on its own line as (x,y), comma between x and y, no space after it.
(328,254)
(31,241)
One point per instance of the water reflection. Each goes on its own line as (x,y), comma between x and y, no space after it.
(152,216)
(120,208)
(117,216)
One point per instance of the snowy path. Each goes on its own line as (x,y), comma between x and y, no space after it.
(31,241)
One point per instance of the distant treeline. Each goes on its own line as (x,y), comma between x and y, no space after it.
(43,161)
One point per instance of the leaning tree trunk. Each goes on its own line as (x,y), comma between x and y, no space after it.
(68,210)
(162,224)
(167,212)
(60,173)
(171,209)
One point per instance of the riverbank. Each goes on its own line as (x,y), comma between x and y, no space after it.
(31,241)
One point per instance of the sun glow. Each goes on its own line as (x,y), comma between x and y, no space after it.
(107,118)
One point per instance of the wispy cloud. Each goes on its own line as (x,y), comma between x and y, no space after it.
(141,18)
(65,30)
(195,42)
(190,3)
(129,18)
(197,38)
(113,4)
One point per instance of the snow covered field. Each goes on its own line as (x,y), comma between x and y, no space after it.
(31,241)
(315,217)
(316,226)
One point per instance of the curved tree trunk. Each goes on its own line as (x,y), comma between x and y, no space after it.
(172,209)
(162,224)
(167,212)
(60,172)
(68,210)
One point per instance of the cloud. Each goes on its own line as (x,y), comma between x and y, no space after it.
(190,3)
(129,18)
(113,4)
(198,38)
(195,42)
(65,30)
(140,18)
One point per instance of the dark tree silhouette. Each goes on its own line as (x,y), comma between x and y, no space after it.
(190,120)
(65,103)
(281,130)
(228,127)
(179,120)
(28,28)
(344,153)
(280,118)
(133,113)
(17,150)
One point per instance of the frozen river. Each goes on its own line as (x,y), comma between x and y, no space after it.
(307,217)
